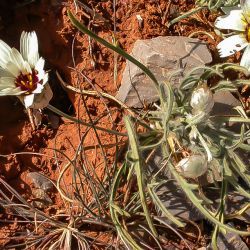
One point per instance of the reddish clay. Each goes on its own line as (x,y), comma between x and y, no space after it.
(67,51)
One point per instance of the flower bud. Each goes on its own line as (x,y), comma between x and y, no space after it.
(202,100)
(193,166)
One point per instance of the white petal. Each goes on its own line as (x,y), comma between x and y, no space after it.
(42,100)
(231,45)
(28,100)
(4,54)
(11,91)
(245,5)
(41,76)
(12,69)
(29,47)
(45,78)
(27,67)
(245,60)
(233,21)
(40,64)
(5,73)
(7,82)
(38,89)
(17,59)
(18,91)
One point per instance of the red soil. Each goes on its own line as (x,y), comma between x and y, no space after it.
(57,40)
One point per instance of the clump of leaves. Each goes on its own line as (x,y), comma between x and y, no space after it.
(215,4)
(178,132)
(212,5)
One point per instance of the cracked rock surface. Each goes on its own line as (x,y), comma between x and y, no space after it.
(169,57)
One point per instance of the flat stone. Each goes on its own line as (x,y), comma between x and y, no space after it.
(224,102)
(229,240)
(176,202)
(165,57)
(40,181)
(42,198)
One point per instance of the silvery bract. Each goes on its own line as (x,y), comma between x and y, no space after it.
(22,73)
(238,20)
(202,100)
(193,166)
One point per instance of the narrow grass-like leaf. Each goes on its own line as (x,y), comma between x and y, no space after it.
(185,15)
(59,112)
(125,236)
(117,49)
(240,167)
(221,210)
(197,203)
(167,101)
(237,142)
(133,141)
(163,209)
(120,211)
(231,178)
(205,4)
(232,119)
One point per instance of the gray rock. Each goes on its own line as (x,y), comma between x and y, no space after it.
(171,195)
(176,201)
(42,199)
(41,185)
(165,57)
(40,181)
(229,241)
(224,102)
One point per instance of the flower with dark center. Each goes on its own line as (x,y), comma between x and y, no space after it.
(27,82)
(22,73)
(236,19)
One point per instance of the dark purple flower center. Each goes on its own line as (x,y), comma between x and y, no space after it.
(27,82)
(248,32)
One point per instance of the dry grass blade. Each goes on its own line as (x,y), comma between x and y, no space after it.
(135,154)
(93,93)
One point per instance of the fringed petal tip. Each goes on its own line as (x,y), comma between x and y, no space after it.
(29,47)
(231,45)
(235,20)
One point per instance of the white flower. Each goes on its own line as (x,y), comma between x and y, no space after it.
(202,100)
(22,74)
(238,20)
(193,166)
(227,9)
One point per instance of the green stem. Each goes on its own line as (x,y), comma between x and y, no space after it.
(59,112)
(117,49)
